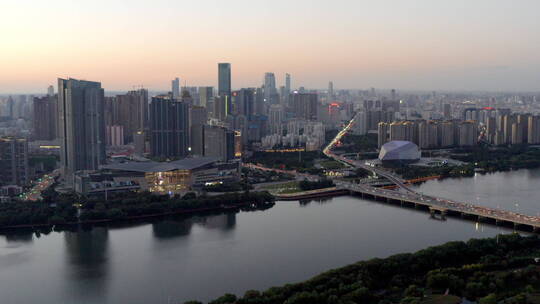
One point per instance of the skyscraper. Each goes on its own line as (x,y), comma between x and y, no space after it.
(45,117)
(270,91)
(224,79)
(175,88)
(50,90)
(330,90)
(287,97)
(244,102)
(132,112)
(81,125)
(169,127)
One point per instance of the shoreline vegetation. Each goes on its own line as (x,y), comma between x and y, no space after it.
(504,269)
(60,210)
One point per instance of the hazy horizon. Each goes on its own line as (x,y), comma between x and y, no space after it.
(426,45)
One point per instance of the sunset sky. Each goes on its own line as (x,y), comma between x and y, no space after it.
(432,44)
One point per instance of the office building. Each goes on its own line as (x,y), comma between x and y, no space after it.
(81,125)
(270,91)
(244,102)
(14,161)
(287,94)
(205,96)
(224,79)
(169,127)
(175,88)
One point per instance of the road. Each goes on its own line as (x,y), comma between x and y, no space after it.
(34,194)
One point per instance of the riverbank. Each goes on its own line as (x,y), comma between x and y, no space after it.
(485,270)
(129,207)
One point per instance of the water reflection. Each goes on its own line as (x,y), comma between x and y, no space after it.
(181,226)
(167,229)
(87,257)
(20,237)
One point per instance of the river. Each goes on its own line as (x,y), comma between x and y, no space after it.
(171,261)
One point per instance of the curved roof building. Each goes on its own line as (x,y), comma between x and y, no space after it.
(399,151)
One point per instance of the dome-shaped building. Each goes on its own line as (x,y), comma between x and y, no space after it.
(399,152)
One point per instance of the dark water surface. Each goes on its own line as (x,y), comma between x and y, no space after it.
(201,258)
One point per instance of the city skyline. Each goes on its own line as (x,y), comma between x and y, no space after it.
(472,46)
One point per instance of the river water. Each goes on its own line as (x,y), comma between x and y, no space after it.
(171,261)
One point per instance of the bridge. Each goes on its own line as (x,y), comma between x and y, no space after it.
(411,196)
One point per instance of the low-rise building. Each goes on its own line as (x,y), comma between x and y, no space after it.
(159,177)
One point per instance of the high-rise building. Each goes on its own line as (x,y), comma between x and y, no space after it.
(222,107)
(169,127)
(270,91)
(305,105)
(81,125)
(10,105)
(198,117)
(14,161)
(447,111)
(132,112)
(491,129)
(50,90)
(468,133)
(115,135)
(428,135)
(517,134)
(175,88)
(508,121)
(224,79)
(287,93)
(205,95)
(45,117)
(404,130)
(448,134)
(382,134)
(219,142)
(330,91)
(276,116)
(244,102)
(533,136)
